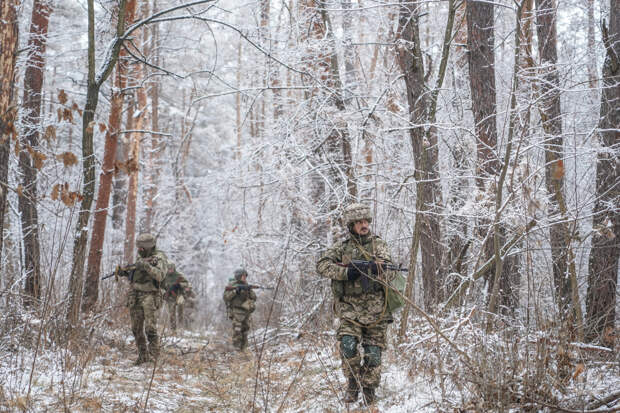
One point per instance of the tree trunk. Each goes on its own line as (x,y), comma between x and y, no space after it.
(8,56)
(424,144)
(481,61)
(553,143)
(95,80)
(605,253)
(93,272)
(33,85)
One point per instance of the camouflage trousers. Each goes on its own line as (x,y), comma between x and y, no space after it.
(143,308)
(241,326)
(176,312)
(372,339)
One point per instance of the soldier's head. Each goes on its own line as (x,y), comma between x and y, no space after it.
(358,218)
(241,274)
(145,244)
(171,268)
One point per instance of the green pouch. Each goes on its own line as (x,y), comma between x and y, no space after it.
(395,300)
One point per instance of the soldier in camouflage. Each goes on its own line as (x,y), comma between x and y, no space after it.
(177,292)
(359,302)
(145,298)
(240,304)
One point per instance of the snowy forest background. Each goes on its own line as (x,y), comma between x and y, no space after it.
(484,136)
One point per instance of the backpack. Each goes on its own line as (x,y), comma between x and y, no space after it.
(395,293)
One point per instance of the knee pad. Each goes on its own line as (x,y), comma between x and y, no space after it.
(372,356)
(348,346)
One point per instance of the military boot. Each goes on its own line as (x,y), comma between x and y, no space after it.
(369,395)
(350,396)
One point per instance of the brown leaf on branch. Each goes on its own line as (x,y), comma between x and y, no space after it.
(20,190)
(102,127)
(50,133)
(67,115)
(59,113)
(67,158)
(62,97)
(55,192)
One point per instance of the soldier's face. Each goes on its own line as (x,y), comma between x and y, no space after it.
(244,278)
(361,227)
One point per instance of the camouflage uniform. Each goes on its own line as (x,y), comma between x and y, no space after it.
(177,293)
(360,306)
(145,298)
(240,304)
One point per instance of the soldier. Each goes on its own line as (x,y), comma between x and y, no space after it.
(145,297)
(240,304)
(359,301)
(177,292)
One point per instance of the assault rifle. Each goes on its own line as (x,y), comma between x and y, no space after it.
(126,271)
(365,266)
(246,287)
(364,269)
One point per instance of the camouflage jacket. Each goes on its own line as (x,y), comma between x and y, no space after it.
(350,299)
(150,278)
(175,284)
(239,301)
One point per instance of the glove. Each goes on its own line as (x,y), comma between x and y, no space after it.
(180,300)
(352,272)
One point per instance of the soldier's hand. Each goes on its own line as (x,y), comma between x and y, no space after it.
(352,272)
(180,300)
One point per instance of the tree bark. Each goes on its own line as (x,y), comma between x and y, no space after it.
(605,253)
(33,85)
(95,80)
(8,55)
(93,272)
(551,116)
(424,144)
(481,62)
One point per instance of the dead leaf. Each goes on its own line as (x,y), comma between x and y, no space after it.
(102,127)
(59,113)
(91,125)
(62,97)
(578,370)
(50,133)
(20,190)
(55,191)
(67,115)
(17,148)
(67,158)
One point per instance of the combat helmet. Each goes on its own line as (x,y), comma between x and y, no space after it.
(356,212)
(146,241)
(240,272)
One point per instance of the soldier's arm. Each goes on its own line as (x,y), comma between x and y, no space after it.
(252,295)
(327,266)
(156,266)
(229,295)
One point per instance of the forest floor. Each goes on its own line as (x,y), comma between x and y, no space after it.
(280,372)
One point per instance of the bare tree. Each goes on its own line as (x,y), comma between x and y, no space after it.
(91,290)
(33,84)
(8,56)
(605,253)
(422,112)
(95,80)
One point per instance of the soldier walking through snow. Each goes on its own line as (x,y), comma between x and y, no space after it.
(240,304)
(359,301)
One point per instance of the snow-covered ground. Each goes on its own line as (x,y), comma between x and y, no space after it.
(200,372)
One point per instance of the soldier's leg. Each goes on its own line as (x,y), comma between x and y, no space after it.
(245,328)
(172,315)
(150,306)
(373,341)
(348,335)
(237,336)
(180,315)
(137,326)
